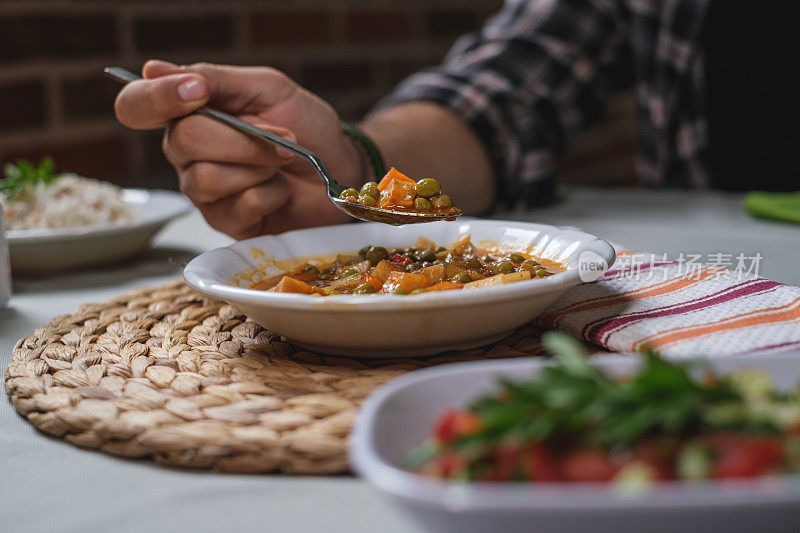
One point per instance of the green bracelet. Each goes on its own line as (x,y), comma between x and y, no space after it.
(369,147)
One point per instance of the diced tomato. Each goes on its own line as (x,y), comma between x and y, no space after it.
(450,465)
(542,465)
(743,456)
(587,465)
(453,424)
(506,462)
(304,277)
(401,259)
(655,455)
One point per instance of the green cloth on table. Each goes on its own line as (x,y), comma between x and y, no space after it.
(784,206)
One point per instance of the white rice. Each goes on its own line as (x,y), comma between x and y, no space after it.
(69,201)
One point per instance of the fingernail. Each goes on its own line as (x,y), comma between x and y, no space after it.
(192,90)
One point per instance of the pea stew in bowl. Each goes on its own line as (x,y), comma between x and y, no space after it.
(388,324)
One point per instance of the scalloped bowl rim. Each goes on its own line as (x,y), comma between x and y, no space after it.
(202,275)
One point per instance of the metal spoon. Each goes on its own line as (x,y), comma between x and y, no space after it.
(334,189)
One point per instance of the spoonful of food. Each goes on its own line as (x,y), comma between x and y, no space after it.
(396,200)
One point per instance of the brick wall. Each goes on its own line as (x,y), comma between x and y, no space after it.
(54,100)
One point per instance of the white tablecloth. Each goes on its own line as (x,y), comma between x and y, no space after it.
(49,485)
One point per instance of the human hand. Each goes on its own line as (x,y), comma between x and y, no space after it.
(243,186)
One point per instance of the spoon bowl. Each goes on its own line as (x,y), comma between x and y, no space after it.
(333,188)
(389,216)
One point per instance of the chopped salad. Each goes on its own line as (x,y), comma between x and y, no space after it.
(574,423)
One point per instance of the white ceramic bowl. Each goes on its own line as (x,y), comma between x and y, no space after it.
(400,415)
(40,251)
(398,326)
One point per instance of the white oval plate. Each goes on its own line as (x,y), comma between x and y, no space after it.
(399,326)
(400,415)
(50,250)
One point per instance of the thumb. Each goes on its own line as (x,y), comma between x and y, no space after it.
(151,103)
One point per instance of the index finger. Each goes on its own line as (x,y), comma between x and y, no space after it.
(151,103)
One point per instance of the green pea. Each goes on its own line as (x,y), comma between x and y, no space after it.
(515,258)
(487,258)
(365,288)
(347,193)
(347,272)
(402,292)
(425,255)
(541,272)
(413,266)
(367,200)
(419,291)
(529,265)
(376,253)
(441,249)
(502,267)
(310,269)
(370,188)
(428,187)
(461,277)
(325,275)
(363,252)
(442,201)
(473,263)
(421,204)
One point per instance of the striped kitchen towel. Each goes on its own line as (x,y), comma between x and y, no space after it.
(681,308)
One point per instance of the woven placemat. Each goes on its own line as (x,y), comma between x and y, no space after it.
(169,374)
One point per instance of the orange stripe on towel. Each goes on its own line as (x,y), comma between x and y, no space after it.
(659,289)
(759,317)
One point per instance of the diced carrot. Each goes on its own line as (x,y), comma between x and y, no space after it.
(393,174)
(398,194)
(291,285)
(372,280)
(434,272)
(384,268)
(446,286)
(407,281)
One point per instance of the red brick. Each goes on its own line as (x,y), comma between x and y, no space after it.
(187,32)
(275,27)
(378,26)
(22,105)
(327,77)
(101,157)
(64,35)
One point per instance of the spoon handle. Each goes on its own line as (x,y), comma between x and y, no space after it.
(126,76)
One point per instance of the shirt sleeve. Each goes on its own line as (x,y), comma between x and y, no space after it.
(531,78)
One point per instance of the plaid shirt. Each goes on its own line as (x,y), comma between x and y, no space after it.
(538,71)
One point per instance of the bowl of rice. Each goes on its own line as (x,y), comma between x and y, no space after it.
(65,221)
(70,201)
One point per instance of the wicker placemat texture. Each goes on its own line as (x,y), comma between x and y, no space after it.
(168,374)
